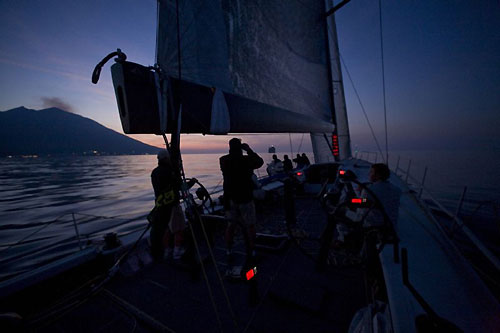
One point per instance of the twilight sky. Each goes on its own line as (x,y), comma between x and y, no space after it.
(442,62)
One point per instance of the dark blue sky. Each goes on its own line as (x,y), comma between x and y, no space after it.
(442,61)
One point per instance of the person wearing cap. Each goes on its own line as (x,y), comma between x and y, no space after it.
(166,188)
(237,171)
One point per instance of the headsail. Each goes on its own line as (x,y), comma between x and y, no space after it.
(269,57)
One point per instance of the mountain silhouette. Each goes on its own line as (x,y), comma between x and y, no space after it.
(55,131)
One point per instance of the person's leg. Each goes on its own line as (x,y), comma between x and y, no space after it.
(157,234)
(179,249)
(231,215)
(178,238)
(248,216)
(168,241)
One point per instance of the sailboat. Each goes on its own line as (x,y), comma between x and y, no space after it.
(228,67)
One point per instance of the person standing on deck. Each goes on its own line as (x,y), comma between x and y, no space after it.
(305,160)
(300,161)
(166,188)
(237,170)
(287,164)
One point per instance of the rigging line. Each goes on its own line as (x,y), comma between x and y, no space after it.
(361,105)
(183,176)
(223,287)
(272,279)
(33,233)
(383,81)
(215,188)
(291,147)
(157,30)
(196,12)
(132,216)
(60,309)
(178,41)
(187,203)
(300,145)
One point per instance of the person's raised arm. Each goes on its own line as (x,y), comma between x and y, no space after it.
(255,160)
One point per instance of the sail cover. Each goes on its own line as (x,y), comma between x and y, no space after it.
(268,57)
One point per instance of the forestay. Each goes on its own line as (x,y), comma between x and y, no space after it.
(268,57)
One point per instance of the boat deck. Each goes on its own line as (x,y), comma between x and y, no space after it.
(293,296)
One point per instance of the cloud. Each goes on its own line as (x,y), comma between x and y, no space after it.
(45,70)
(56,102)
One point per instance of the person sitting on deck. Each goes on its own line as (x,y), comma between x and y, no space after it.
(164,225)
(387,194)
(237,171)
(287,164)
(275,167)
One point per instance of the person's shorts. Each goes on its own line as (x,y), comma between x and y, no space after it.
(244,212)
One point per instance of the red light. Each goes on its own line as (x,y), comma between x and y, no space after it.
(335,145)
(251,273)
(299,173)
(342,172)
(356,200)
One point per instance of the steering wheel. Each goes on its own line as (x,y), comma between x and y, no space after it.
(204,200)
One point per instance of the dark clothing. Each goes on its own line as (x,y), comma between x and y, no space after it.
(158,229)
(305,160)
(300,161)
(163,179)
(166,188)
(287,165)
(237,170)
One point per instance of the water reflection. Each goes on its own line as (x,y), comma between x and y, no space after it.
(105,193)
(38,197)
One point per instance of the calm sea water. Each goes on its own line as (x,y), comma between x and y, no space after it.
(41,198)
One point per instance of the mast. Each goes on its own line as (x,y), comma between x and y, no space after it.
(339,105)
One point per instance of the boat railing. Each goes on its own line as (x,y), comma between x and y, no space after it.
(23,248)
(417,186)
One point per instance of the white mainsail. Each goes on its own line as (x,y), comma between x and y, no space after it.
(269,57)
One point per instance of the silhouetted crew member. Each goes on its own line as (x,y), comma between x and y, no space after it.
(275,167)
(300,161)
(237,170)
(305,160)
(166,188)
(388,194)
(287,164)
